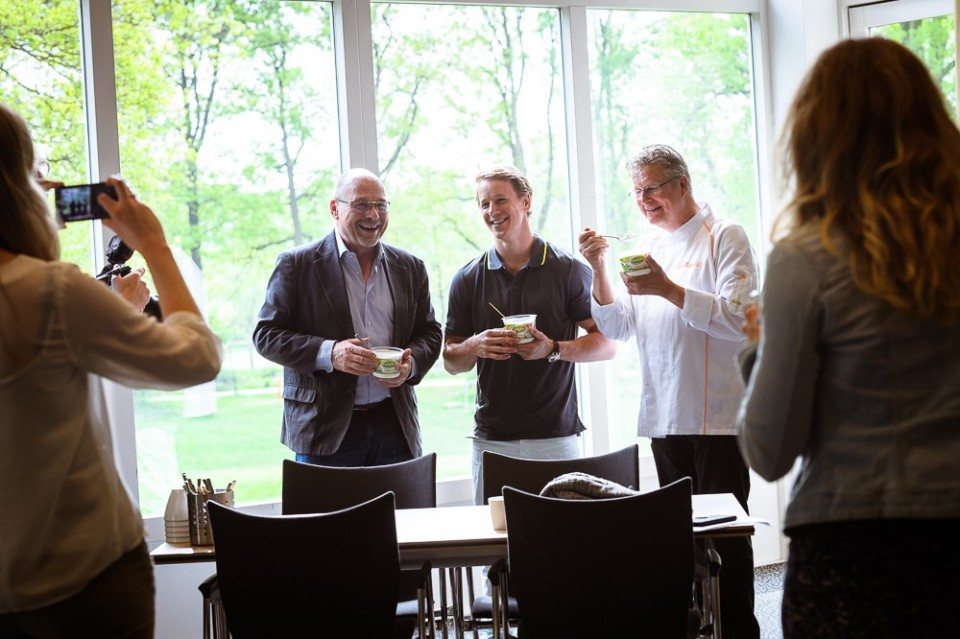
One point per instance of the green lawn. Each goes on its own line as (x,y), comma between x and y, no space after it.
(242,440)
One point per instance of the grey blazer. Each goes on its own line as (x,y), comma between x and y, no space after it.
(867,395)
(306,303)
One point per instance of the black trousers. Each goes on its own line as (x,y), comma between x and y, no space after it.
(873,579)
(715,465)
(119,602)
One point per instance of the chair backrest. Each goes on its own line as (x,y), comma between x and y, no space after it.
(308,488)
(309,575)
(531,475)
(601,568)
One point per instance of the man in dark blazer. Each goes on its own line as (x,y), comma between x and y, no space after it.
(328,304)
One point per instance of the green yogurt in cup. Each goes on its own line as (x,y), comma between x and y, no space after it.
(633,265)
(388,360)
(520,324)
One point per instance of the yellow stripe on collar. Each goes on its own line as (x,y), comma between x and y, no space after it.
(543,258)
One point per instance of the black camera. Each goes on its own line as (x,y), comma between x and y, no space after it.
(117,254)
(79,202)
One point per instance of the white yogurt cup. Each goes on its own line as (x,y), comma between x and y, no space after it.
(520,324)
(388,359)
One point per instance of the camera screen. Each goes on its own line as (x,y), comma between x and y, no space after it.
(79,202)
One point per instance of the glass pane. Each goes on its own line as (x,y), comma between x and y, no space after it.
(934,42)
(228,129)
(678,79)
(482,84)
(40,78)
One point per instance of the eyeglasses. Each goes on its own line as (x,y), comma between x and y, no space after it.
(650,190)
(362,206)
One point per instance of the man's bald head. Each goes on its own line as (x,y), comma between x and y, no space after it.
(350,177)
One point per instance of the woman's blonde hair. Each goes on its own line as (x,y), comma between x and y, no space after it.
(873,154)
(25,225)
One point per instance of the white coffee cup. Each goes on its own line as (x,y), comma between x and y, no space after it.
(497,514)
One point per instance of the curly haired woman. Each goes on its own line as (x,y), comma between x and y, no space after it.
(857,371)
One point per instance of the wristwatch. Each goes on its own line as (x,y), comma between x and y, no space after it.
(555,353)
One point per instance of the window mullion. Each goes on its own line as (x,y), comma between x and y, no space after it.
(353,51)
(764,135)
(100,98)
(583,198)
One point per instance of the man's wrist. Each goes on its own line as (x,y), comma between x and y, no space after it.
(675,294)
(471,345)
(554,355)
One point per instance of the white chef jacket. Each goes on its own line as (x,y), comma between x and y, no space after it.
(691,385)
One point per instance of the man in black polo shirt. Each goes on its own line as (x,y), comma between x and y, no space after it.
(526,398)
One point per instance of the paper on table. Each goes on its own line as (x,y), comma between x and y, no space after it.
(739,521)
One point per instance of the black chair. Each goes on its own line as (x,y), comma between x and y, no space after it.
(309,575)
(311,489)
(308,488)
(531,475)
(601,568)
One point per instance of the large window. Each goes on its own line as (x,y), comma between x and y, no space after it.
(459,88)
(228,129)
(40,79)
(227,125)
(678,79)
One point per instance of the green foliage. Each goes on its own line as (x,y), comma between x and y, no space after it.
(934,42)
(40,78)
(677,79)
(491,76)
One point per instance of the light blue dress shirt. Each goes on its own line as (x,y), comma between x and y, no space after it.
(371,309)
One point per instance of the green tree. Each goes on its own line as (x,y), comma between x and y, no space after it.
(933,40)
(404,65)
(200,33)
(40,78)
(285,98)
(682,79)
(612,117)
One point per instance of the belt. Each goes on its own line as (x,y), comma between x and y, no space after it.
(359,408)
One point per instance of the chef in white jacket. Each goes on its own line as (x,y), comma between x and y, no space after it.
(686,314)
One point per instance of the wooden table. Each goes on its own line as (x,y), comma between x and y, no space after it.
(464,535)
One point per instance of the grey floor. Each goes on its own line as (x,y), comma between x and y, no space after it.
(768,585)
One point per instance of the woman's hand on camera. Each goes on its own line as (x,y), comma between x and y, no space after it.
(46,185)
(132,220)
(137,225)
(132,288)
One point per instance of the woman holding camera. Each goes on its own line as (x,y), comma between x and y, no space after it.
(73,562)
(858,365)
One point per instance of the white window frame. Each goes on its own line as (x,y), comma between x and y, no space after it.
(860,17)
(357,117)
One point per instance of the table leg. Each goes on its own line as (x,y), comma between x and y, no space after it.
(443,601)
